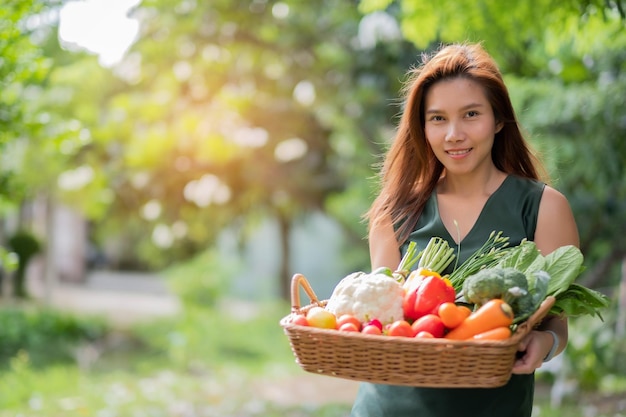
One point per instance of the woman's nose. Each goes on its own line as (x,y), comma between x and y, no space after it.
(454,133)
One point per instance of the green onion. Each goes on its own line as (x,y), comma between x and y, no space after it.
(408,261)
(437,255)
(485,257)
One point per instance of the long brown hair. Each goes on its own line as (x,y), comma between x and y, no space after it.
(410,170)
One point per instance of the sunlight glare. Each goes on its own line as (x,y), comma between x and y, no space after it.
(99,26)
(304,93)
(290,150)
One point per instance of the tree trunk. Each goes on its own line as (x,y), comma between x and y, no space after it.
(620,325)
(50,266)
(284,276)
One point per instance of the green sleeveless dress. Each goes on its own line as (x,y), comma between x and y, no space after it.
(512,209)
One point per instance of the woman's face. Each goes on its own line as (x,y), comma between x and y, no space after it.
(460,125)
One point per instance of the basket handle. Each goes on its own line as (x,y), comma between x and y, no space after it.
(542,311)
(297,281)
(536,318)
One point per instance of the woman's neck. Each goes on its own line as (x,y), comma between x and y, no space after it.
(473,185)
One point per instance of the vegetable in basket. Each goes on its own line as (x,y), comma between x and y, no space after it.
(510,285)
(494,283)
(558,270)
(426,297)
(554,274)
(494,313)
(368,296)
(377,295)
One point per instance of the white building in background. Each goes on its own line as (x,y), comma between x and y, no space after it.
(316,249)
(316,252)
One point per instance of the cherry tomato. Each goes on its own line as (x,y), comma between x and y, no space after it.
(400,328)
(300,320)
(348,327)
(371,329)
(377,323)
(322,318)
(348,318)
(452,315)
(430,323)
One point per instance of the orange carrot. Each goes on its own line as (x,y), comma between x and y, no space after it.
(494,313)
(499,333)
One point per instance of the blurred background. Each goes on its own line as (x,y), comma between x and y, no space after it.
(166,166)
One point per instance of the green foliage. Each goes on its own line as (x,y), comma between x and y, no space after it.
(595,354)
(8,261)
(25,245)
(44,336)
(203,280)
(578,122)
(525,37)
(224,103)
(23,69)
(241,334)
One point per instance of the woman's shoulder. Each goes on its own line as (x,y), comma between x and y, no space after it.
(556,225)
(554,203)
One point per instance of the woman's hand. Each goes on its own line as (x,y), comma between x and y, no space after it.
(534,348)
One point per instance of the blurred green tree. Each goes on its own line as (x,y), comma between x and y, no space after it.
(565,65)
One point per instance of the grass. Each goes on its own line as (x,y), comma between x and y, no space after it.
(204,363)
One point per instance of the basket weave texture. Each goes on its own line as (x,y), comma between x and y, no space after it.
(400,360)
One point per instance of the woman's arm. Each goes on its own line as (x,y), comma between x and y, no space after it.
(556,227)
(384,247)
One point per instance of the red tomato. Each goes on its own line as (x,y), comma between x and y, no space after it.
(400,328)
(424,335)
(376,322)
(348,318)
(430,323)
(371,329)
(300,320)
(348,327)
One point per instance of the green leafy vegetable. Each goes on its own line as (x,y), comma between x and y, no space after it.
(558,270)
(579,300)
(563,265)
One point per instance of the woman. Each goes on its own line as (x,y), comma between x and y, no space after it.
(459,168)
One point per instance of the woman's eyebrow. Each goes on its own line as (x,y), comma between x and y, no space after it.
(466,107)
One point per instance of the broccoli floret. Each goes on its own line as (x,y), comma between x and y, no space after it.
(484,285)
(508,284)
(514,278)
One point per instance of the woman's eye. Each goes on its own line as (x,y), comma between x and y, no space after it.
(472,113)
(436,118)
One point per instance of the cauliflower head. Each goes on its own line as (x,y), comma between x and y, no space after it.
(368,297)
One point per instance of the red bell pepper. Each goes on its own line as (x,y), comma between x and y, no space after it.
(426,297)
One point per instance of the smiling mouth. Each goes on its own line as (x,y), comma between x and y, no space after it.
(459,152)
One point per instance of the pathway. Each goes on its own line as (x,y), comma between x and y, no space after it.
(126,298)
(123,297)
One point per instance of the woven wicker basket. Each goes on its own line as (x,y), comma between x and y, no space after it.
(399,360)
